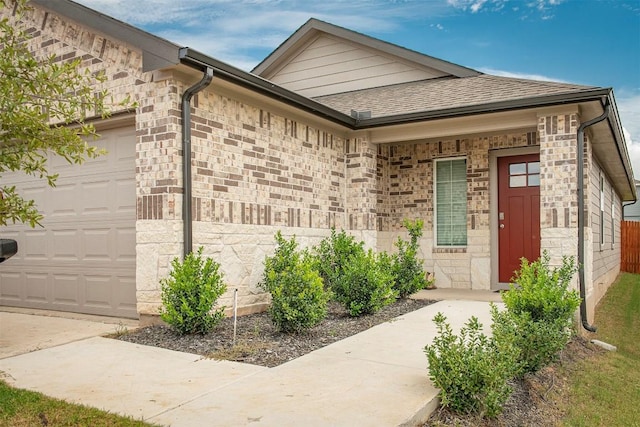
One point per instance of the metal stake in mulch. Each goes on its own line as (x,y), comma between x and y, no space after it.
(235,314)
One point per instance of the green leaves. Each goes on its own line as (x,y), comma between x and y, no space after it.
(408,273)
(44,107)
(366,284)
(190,294)
(470,369)
(540,308)
(298,298)
(332,254)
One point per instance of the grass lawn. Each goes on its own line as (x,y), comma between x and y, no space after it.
(20,408)
(605,390)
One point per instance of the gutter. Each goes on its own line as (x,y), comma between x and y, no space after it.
(187,215)
(580,160)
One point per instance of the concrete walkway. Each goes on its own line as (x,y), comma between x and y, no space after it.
(378,377)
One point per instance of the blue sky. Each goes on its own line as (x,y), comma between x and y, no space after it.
(591,42)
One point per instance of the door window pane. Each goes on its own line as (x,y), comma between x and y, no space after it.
(517,168)
(518,181)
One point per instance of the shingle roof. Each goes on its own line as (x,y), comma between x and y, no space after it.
(437,94)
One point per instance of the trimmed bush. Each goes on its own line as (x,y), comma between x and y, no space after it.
(543,292)
(366,284)
(539,312)
(332,254)
(190,293)
(299,300)
(471,370)
(409,276)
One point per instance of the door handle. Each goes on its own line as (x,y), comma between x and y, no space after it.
(501,225)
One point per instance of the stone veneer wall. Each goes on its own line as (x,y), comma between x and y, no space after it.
(405,190)
(254,172)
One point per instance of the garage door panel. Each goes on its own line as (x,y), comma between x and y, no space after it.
(36,287)
(66,289)
(65,245)
(126,244)
(11,286)
(83,260)
(32,246)
(125,293)
(37,193)
(93,201)
(123,203)
(63,202)
(97,245)
(98,290)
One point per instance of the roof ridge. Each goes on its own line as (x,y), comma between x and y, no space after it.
(550,83)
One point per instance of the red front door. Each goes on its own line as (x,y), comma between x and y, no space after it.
(518,212)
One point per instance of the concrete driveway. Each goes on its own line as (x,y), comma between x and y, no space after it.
(24,331)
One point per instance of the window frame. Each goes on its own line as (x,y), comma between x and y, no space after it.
(435,202)
(613,216)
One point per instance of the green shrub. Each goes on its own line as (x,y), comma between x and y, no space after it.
(299,300)
(537,342)
(190,293)
(471,370)
(409,276)
(539,311)
(543,292)
(332,254)
(366,284)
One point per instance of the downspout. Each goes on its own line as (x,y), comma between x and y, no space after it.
(583,299)
(186,157)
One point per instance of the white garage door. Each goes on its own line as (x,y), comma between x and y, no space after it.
(83,258)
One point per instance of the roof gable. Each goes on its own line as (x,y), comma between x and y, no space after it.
(321,59)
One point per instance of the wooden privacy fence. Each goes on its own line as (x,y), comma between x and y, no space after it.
(630,257)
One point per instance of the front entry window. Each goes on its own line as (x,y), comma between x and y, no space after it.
(526,174)
(451,202)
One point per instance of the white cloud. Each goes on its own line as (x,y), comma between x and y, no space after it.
(243,32)
(517,75)
(475,6)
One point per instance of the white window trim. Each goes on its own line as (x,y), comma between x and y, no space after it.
(613,218)
(435,210)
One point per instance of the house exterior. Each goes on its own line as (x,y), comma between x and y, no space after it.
(632,210)
(333,129)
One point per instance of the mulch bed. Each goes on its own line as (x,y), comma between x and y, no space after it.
(257,341)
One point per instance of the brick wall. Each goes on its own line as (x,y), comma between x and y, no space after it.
(405,190)
(52,35)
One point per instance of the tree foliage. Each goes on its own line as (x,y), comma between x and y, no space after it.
(45,104)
